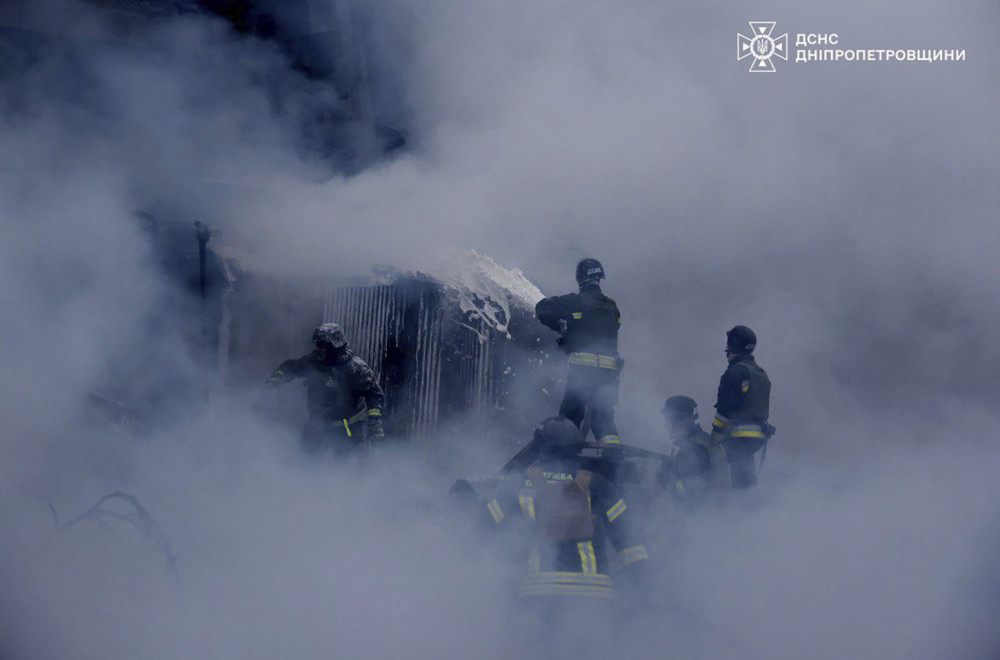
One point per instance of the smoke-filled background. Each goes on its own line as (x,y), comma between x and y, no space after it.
(845,211)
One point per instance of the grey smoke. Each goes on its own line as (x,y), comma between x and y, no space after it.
(846,212)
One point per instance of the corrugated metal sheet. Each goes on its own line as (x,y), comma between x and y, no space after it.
(398,330)
(432,361)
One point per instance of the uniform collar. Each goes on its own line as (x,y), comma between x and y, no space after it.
(689,431)
(343,358)
(591,287)
(743,357)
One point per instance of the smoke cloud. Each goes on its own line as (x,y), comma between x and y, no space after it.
(844,211)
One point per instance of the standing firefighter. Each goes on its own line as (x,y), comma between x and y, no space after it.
(588,324)
(740,423)
(698,464)
(568,515)
(345,401)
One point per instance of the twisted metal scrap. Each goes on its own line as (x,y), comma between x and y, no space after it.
(139,518)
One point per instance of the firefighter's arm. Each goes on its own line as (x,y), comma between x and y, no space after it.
(620,524)
(502,506)
(728,400)
(552,312)
(286,371)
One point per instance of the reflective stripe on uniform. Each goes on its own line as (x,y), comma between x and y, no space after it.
(347,429)
(617,509)
(527,503)
(374,412)
(720,422)
(495,510)
(633,554)
(588,561)
(535,561)
(561,583)
(585,359)
(609,440)
(746,431)
(578,315)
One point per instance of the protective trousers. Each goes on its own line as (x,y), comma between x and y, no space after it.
(599,389)
(322,433)
(740,453)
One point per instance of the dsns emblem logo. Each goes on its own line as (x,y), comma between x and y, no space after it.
(761,46)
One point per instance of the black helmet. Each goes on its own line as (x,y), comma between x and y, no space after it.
(557,436)
(741,340)
(589,271)
(681,407)
(330,334)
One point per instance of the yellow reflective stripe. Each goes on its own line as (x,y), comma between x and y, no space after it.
(609,440)
(569,577)
(495,510)
(347,429)
(746,432)
(535,561)
(720,422)
(589,508)
(633,554)
(578,315)
(553,583)
(587,558)
(374,412)
(586,359)
(617,509)
(583,359)
(527,503)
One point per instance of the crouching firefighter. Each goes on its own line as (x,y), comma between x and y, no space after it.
(698,466)
(588,324)
(742,407)
(567,517)
(344,399)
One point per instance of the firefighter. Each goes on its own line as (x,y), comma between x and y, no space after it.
(344,399)
(742,406)
(698,465)
(588,324)
(568,516)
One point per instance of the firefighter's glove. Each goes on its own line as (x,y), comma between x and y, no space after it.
(374,424)
(275,380)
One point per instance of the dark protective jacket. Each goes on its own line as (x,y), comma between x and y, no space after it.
(743,400)
(568,516)
(687,476)
(587,321)
(336,390)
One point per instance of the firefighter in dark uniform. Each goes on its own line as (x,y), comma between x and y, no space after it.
(742,407)
(568,515)
(588,324)
(344,399)
(697,465)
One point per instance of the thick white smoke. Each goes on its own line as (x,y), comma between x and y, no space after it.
(845,212)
